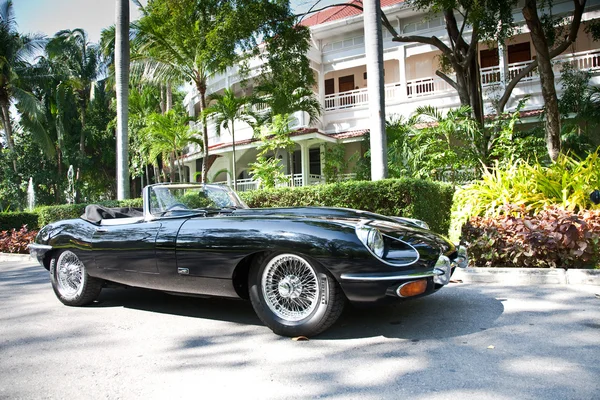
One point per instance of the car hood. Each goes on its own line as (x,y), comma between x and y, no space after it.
(398,228)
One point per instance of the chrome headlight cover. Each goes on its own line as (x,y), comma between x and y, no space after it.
(372,239)
(389,250)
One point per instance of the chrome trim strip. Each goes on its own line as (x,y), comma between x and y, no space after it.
(361,277)
(36,247)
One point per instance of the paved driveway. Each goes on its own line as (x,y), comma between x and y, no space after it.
(141,344)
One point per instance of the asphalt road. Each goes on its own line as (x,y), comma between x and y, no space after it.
(140,344)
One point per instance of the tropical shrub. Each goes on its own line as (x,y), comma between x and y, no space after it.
(566,184)
(424,200)
(552,238)
(16,241)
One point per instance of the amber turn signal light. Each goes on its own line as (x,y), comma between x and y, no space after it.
(413,288)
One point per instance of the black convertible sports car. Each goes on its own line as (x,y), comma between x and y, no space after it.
(298,266)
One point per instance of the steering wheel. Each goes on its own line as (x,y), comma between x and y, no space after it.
(174,207)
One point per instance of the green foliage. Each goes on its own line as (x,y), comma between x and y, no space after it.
(552,238)
(427,201)
(566,184)
(509,144)
(267,169)
(447,146)
(579,107)
(15,220)
(49,214)
(335,163)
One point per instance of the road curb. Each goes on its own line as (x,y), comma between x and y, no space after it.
(15,257)
(529,276)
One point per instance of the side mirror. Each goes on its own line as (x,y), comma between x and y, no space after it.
(595,196)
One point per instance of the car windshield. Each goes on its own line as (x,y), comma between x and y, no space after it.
(181,199)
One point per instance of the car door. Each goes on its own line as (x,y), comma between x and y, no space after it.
(126,247)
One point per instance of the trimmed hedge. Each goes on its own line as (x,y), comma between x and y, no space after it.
(15,220)
(49,214)
(412,198)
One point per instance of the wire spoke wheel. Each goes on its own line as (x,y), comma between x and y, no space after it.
(69,274)
(290,287)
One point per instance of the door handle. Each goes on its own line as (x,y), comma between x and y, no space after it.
(101,230)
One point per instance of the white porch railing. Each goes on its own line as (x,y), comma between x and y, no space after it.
(250,184)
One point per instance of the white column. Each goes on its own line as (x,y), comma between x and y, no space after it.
(322,157)
(305,161)
(192,166)
(503,63)
(322,91)
(402,67)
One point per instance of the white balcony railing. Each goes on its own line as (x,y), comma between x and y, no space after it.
(433,86)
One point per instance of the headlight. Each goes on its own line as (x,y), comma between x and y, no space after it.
(371,237)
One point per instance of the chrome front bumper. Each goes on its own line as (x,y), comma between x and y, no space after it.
(38,251)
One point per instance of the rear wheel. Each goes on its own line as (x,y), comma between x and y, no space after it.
(294,296)
(71,282)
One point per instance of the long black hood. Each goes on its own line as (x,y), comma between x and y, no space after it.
(403,230)
(332,213)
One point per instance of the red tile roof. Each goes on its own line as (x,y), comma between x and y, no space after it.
(341,12)
(349,134)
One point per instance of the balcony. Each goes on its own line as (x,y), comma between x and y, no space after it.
(435,86)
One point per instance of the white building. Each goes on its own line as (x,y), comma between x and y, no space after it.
(337,56)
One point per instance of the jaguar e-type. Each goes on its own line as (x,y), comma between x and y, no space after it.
(298,266)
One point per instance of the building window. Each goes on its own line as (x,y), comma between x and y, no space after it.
(314,156)
(519,52)
(489,58)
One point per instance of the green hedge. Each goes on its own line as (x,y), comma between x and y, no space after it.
(412,198)
(49,214)
(16,220)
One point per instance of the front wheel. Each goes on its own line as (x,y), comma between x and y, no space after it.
(71,282)
(294,296)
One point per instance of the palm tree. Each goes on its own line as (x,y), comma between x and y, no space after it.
(15,50)
(172,54)
(374,55)
(167,134)
(122,75)
(280,100)
(79,60)
(226,108)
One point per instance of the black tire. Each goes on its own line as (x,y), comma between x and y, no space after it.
(75,288)
(285,314)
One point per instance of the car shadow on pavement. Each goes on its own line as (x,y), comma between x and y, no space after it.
(213,308)
(449,313)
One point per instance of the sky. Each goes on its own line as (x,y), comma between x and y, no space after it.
(51,16)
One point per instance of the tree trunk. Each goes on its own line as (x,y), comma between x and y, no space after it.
(8,131)
(169,97)
(156,172)
(122,77)
(233,168)
(147,176)
(552,131)
(374,55)
(172,167)
(201,87)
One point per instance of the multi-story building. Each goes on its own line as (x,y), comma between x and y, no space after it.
(337,56)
